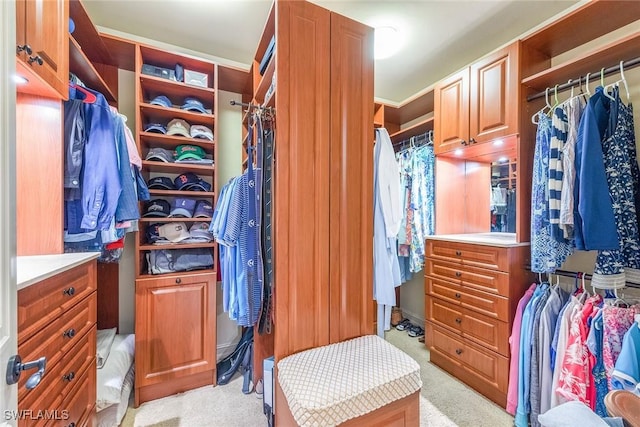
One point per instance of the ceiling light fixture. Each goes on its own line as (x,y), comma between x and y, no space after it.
(388,41)
(19,80)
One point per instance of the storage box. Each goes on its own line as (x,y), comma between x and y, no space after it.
(195,78)
(153,70)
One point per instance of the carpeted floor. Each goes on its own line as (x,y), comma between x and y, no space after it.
(445,402)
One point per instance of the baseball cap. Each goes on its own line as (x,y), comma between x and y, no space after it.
(183,207)
(153,233)
(161,183)
(204,209)
(158,208)
(201,132)
(188,180)
(178,127)
(200,230)
(155,127)
(161,154)
(190,152)
(192,104)
(174,231)
(162,101)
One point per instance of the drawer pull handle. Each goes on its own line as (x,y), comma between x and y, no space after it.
(458,351)
(24,47)
(178,280)
(69,333)
(458,295)
(37,59)
(69,377)
(458,320)
(69,291)
(458,274)
(458,253)
(72,425)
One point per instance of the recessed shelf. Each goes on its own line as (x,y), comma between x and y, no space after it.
(177,168)
(266,80)
(154,112)
(181,88)
(169,141)
(82,67)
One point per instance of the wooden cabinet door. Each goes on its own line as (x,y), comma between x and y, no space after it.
(47,23)
(451,112)
(494,95)
(21,30)
(175,327)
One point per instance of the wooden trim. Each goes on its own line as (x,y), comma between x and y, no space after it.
(108,295)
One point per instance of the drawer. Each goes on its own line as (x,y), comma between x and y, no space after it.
(482,279)
(491,305)
(80,402)
(76,361)
(486,331)
(78,321)
(485,368)
(38,304)
(491,257)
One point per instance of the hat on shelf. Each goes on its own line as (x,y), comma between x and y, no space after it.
(201,132)
(191,182)
(189,152)
(178,127)
(161,154)
(193,104)
(174,231)
(155,127)
(157,208)
(204,209)
(162,101)
(161,183)
(183,208)
(153,233)
(200,231)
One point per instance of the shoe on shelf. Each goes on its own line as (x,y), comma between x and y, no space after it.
(404,325)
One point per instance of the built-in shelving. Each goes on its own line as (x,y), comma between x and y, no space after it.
(177,168)
(179,193)
(170,141)
(164,114)
(265,82)
(81,66)
(176,246)
(416,129)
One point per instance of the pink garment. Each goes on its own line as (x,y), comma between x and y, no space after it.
(575,377)
(134,156)
(514,342)
(616,321)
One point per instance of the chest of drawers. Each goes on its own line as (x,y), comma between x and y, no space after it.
(57,320)
(471,294)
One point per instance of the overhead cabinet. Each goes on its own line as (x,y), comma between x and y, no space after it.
(42,49)
(479,103)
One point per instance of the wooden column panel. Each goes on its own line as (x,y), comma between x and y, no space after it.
(351,199)
(39,166)
(301,204)
(108,295)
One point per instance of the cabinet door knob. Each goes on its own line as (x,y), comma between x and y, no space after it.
(71,425)
(25,47)
(70,291)
(458,274)
(472,141)
(458,351)
(458,253)
(457,295)
(458,320)
(463,142)
(35,59)
(69,377)
(69,333)
(178,281)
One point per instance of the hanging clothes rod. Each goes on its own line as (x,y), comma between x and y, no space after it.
(607,71)
(259,107)
(573,274)
(423,138)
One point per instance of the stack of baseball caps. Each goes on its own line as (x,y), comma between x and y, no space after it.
(184,182)
(183,154)
(179,126)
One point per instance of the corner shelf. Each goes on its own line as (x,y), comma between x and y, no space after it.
(81,66)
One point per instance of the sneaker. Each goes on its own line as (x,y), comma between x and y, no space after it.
(404,325)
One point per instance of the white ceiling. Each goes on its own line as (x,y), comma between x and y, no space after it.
(440,36)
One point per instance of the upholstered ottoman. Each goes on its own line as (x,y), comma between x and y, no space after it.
(362,381)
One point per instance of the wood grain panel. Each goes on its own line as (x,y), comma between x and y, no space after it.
(108,295)
(351,200)
(451,113)
(39,147)
(301,178)
(175,329)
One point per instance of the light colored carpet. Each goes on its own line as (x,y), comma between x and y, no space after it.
(444,402)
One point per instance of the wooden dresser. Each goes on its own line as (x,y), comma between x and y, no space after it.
(57,320)
(471,294)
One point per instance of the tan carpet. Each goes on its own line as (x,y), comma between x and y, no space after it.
(445,402)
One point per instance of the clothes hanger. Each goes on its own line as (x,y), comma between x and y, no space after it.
(89,98)
(556,102)
(541,111)
(587,85)
(604,87)
(619,301)
(624,81)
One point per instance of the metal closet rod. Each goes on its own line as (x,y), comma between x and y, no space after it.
(259,107)
(573,274)
(607,71)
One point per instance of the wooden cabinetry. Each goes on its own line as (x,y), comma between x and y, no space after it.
(175,334)
(478,104)
(57,320)
(42,48)
(471,293)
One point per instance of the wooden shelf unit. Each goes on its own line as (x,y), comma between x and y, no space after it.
(171,142)
(177,168)
(413,130)
(156,112)
(81,66)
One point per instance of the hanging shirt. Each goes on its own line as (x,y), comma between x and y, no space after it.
(422,203)
(626,374)
(559,133)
